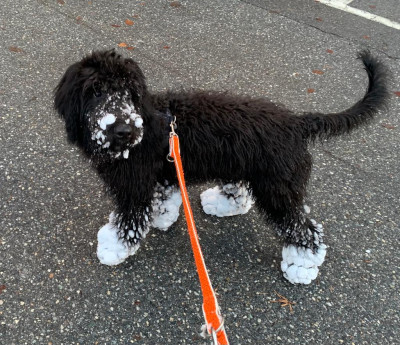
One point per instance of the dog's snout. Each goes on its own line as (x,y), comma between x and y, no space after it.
(122,131)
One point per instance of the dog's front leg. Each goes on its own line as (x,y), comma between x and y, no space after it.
(165,205)
(120,238)
(129,224)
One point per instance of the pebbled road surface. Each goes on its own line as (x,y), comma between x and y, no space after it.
(52,288)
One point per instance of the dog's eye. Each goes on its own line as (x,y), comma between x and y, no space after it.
(97,89)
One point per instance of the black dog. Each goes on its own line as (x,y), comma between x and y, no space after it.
(255,149)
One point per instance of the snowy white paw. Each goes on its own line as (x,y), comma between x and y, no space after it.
(166,204)
(300,265)
(234,199)
(112,250)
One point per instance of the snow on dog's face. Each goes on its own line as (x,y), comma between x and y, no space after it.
(115,124)
(102,100)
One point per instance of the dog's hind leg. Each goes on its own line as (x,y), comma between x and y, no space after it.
(228,199)
(166,203)
(304,250)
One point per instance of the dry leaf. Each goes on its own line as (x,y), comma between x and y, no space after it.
(366,37)
(115,25)
(372,6)
(130,48)
(330,51)
(317,71)
(2,288)
(388,125)
(175,4)
(15,49)
(61,2)
(79,19)
(122,45)
(318,19)
(129,22)
(51,275)
(284,302)
(166,47)
(310,90)
(397,93)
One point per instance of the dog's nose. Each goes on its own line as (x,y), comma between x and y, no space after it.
(122,131)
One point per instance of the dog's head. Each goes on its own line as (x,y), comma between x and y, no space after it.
(102,99)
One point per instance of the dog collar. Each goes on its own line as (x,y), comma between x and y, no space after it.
(167,119)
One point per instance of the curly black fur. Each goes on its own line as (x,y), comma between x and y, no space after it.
(223,137)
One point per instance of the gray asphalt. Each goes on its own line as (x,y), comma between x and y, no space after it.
(53,289)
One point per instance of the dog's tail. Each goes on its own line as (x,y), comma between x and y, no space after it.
(324,126)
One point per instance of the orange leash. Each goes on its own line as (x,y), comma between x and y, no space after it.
(212,315)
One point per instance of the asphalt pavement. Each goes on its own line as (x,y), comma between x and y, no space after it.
(53,291)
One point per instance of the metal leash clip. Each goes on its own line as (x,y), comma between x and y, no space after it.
(172,124)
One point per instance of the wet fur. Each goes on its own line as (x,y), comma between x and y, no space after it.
(224,137)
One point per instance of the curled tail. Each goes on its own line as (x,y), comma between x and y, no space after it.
(328,125)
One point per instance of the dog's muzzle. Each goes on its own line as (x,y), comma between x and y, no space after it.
(118,127)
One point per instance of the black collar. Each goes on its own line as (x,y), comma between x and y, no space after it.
(167,118)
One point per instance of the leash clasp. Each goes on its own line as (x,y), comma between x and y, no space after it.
(171,134)
(173,126)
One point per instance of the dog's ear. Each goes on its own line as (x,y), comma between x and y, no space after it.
(68,101)
(137,79)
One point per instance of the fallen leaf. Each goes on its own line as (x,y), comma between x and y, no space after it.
(79,19)
(2,288)
(310,90)
(122,45)
(175,4)
(61,2)
(129,22)
(51,275)
(388,125)
(318,19)
(115,25)
(15,49)
(284,302)
(330,51)
(372,6)
(317,71)
(397,93)
(366,37)
(130,48)
(135,16)
(166,47)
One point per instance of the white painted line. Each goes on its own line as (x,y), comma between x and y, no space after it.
(344,2)
(342,5)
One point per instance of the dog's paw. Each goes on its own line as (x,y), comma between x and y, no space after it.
(300,265)
(230,201)
(112,250)
(166,204)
